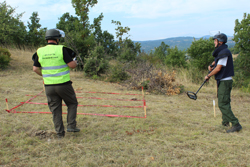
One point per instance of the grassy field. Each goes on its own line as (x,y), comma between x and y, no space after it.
(178,131)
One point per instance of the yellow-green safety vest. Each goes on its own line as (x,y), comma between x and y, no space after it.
(54,69)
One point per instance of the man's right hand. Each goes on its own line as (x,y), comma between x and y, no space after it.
(75,59)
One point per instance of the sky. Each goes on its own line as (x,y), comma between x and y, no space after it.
(147,19)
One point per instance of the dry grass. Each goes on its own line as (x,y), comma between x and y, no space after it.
(178,131)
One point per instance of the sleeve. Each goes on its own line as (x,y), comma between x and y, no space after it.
(35,59)
(223,61)
(67,55)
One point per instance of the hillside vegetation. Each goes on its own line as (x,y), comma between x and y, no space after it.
(182,43)
(178,131)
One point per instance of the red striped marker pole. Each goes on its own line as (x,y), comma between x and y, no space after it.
(144,104)
(7,106)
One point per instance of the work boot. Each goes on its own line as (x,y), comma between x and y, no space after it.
(73,130)
(60,135)
(235,128)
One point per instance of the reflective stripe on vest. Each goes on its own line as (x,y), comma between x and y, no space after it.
(54,69)
(55,75)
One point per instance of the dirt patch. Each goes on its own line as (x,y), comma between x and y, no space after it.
(43,134)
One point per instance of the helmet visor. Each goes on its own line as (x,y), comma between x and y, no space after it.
(61,32)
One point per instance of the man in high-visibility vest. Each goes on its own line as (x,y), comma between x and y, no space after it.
(53,63)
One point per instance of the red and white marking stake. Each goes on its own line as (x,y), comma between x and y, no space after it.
(7,106)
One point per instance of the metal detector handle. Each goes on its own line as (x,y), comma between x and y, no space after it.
(203,81)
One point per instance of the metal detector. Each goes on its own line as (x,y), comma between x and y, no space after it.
(193,95)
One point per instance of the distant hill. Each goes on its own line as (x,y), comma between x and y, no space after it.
(181,42)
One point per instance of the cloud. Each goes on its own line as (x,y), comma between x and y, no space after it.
(165,17)
(151,9)
(47,10)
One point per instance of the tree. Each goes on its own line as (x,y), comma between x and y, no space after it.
(79,36)
(96,64)
(4,58)
(128,50)
(103,38)
(36,34)
(175,58)
(242,44)
(67,22)
(200,53)
(12,30)
(161,51)
(120,31)
(159,54)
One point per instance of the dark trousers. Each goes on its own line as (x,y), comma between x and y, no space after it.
(55,95)
(224,100)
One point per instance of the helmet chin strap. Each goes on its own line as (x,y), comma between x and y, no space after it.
(57,41)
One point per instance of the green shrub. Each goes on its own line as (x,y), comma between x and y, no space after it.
(200,53)
(4,58)
(175,57)
(117,73)
(96,63)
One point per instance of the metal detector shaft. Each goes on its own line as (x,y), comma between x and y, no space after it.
(193,95)
(201,86)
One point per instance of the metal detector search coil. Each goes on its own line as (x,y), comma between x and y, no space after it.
(192,95)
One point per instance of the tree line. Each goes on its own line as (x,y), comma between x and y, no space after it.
(96,48)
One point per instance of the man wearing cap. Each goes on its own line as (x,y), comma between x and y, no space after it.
(223,70)
(53,63)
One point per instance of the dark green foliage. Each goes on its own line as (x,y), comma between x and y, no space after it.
(200,53)
(175,58)
(241,37)
(96,63)
(242,76)
(159,54)
(12,30)
(241,34)
(145,84)
(36,34)
(120,31)
(82,36)
(161,51)
(117,73)
(128,50)
(67,22)
(4,58)
(242,45)
(78,29)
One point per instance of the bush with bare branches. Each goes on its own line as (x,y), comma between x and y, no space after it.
(153,79)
